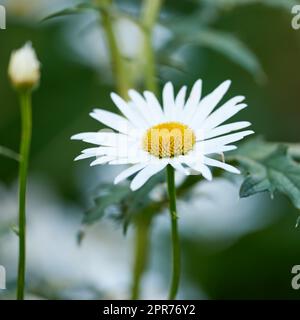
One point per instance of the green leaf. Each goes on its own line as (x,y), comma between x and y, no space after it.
(9,153)
(110,195)
(172,63)
(269,167)
(257,148)
(121,202)
(71,11)
(231,47)
(104,6)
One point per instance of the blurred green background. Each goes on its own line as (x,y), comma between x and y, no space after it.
(245,263)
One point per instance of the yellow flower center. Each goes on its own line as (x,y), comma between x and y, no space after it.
(169,139)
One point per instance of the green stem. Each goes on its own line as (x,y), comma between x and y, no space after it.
(141,254)
(118,65)
(25,101)
(175,235)
(150,14)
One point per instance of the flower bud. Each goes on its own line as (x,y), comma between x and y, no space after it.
(24,68)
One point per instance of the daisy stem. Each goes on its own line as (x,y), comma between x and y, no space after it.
(25,102)
(141,253)
(175,235)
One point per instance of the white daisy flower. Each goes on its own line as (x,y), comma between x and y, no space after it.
(183,133)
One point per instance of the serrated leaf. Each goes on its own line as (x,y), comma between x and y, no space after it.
(120,200)
(109,195)
(9,153)
(231,47)
(257,148)
(270,167)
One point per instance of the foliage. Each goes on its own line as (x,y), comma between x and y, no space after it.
(9,153)
(78,9)
(120,202)
(268,167)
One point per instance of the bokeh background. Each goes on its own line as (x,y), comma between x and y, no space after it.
(232,248)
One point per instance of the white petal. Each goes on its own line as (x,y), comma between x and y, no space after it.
(225,112)
(127,160)
(168,100)
(225,129)
(101,160)
(178,166)
(129,172)
(112,120)
(131,159)
(143,107)
(87,153)
(124,161)
(207,104)
(90,151)
(203,169)
(180,99)
(129,111)
(144,175)
(221,141)
(193,101)
(115,152)
(218,150)
(83,156)
(103,138)
(155,105)
(219,164)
